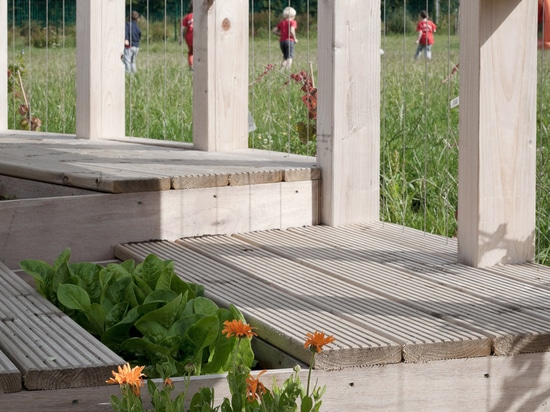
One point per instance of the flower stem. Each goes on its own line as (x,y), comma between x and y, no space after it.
(310,369)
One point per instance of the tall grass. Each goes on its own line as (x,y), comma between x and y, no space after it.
(419,129)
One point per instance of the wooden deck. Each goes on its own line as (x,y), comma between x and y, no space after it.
(95,194)
(392,296)
(387,293)
(41,348)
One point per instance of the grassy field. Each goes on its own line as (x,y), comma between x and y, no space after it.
(419,129)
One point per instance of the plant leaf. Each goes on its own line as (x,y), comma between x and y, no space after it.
(73,297)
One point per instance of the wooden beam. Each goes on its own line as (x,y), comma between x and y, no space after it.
(220,77)
(100,85)
(348,122)
(498,69)
(4,64)
(496,383)
(106,220)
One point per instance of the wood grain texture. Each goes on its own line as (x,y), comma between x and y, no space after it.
(281,319)
(100,85)
(496,212)
(512,329)
(128,165)
(499,384)
(49,349)
(10,376)
(220,81)
(348,122)
(105,220)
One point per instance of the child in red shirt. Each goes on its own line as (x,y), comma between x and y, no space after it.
(286,30)
(426,29)
(186,32)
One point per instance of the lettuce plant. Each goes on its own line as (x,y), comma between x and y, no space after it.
(146,313)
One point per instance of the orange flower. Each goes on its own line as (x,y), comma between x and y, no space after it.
(238,329)
(315,341)
(168,382)
(254,388)
(128,376)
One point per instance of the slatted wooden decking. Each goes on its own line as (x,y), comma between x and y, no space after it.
(387,293)
(41,347)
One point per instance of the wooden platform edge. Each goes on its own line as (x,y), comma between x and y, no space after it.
(508,383)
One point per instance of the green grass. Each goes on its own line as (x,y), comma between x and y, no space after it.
(419,130)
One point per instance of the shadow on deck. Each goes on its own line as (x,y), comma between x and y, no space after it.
(245,226)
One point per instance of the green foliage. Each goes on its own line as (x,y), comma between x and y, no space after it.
(144,312)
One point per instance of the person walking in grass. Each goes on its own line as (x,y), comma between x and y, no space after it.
(186,32)
(286,30)
(426,29)
(132,38)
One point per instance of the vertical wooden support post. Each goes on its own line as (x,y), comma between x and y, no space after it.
(497,144)
(4,64)
(100,85)
(348,112)
(220,77)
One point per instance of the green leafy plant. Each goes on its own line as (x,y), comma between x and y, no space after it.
(144,312)
(248,394)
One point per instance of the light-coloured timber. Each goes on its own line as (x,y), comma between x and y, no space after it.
(139,165)
(348,121)
(100,85)
(49,349)
(16,188)
(105,220)
(494,384)
(281,319)
(422,337)
(496,190)
(220,77)
(511,330)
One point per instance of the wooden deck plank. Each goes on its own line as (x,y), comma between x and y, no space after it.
(423,337)
(282,319)
(10,376)
(380,248)
(139,165)
(497,383)
(50,350)
(511,331)
(407,236)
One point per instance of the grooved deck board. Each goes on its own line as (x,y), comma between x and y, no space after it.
(10,377)
(49,349)
(423,337)
(141,165)
(282,319)
(512,331)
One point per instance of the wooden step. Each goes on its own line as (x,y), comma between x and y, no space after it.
(512,329)
(50,350)
(281,319)
(423,337)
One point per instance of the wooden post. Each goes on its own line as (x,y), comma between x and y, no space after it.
(348,121)
(497,144)
(4,64)
(100,85)
(220,77)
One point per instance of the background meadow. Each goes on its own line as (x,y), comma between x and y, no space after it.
(419,126)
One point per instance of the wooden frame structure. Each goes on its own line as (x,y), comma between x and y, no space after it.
(496,216)
(497,119)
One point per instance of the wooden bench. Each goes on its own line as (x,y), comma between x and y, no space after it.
(48,349)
